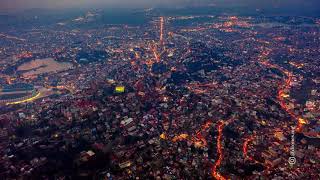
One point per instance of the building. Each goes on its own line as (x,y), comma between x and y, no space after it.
(16,92)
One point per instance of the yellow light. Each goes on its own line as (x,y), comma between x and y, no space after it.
(163,136)
(184,136)
(120,89)
(26,100)
(302,121)
(285,95)
(180,137)
(198,144)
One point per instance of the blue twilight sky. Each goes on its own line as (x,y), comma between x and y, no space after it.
(25,4)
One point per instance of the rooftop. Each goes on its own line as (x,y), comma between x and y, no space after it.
(17,87)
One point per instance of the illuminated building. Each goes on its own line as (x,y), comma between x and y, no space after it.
(119,89)
(9,94)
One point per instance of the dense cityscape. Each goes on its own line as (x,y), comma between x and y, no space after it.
(175,97)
